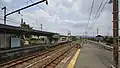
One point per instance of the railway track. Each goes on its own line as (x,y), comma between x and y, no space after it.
(53,60)
(37,60)
(58,59)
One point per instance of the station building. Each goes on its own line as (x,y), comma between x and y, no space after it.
(13,36)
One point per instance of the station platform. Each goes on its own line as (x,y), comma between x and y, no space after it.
(91,56)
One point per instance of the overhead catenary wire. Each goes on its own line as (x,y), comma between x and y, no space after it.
(98,10)
(25,2)
(90,12)
(99,13)
(91,9)
(32,18)
(10,21)
(13,20)
(41,8)
(46,11)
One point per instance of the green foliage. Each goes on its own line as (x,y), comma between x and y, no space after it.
(108,40)
(26,26)
(35,41)
(74,38)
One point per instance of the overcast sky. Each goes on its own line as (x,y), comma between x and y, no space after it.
(61,15)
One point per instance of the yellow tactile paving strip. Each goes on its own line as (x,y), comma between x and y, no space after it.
(72,62)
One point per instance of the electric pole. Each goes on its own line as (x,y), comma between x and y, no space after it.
(93,34)
(86,33)
(41,26)
(4,9)
(69,34)
(97,31)
(115,34)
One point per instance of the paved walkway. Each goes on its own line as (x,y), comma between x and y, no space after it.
(93,56)
(104,45)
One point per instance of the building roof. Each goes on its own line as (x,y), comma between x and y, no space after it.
(99,36)
(14,29)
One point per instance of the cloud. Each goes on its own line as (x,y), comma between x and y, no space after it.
(63,15)
(80,25)
(4,2)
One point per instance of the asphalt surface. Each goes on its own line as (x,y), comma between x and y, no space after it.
(94,56)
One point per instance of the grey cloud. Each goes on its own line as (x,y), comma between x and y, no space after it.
(86,6)
(72,15)
(80,25)
(4,2)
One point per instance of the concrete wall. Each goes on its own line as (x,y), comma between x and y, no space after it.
(2,41)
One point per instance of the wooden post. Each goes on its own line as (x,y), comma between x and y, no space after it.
(115,34)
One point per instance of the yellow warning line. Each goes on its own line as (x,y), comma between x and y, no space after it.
(72,62)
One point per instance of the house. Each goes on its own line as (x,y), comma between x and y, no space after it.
(99,38)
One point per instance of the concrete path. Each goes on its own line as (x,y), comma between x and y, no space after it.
(93,56)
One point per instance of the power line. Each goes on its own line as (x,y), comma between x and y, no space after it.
(90,12)
(26,2)
(89,16)
(44,10)
(41,8)
(10,21)
(100,12)
(15,21)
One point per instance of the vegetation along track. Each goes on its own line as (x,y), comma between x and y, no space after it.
(32,60)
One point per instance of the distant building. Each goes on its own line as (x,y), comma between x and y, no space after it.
(99,38)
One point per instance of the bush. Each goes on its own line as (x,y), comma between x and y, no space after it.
(108,40)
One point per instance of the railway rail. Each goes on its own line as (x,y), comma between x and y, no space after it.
(58,58)
(42,59)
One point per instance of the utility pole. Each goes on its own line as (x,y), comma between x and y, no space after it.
(93,34)
(108,32)
(4,9)
(115,34)
(21,16)
(41,26)
(69,34)
(97,31)
(85,33)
